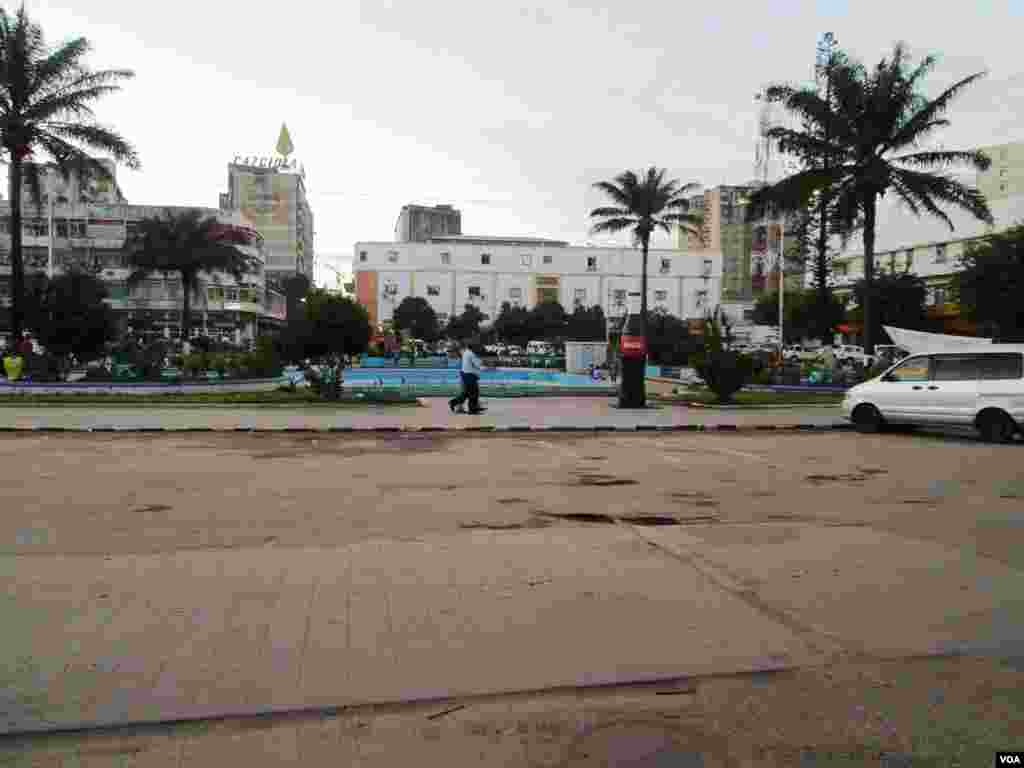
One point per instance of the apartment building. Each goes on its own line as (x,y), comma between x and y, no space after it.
(452,271)
(90,236)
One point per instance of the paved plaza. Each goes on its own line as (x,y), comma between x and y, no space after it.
(546,412)
(503,581)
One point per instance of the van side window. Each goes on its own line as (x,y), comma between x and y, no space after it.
(1008,366)
(955,368)
(912,369)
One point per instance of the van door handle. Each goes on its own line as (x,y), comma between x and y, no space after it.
(932,387)
(917,386)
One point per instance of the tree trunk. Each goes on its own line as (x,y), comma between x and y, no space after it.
(17,259)
(186,308)
(870,201)
(645,243)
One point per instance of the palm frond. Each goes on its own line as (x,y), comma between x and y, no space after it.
(61,62)
(914,127)
(616,212)
(615,192)
(928,188)
(977,160)
(97,138)
(613,225)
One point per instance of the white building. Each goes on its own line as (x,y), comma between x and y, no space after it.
(453,271)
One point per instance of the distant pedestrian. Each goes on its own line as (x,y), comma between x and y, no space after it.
(470,374)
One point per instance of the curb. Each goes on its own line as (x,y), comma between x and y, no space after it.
(731,428)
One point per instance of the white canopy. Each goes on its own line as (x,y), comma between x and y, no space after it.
(919,342)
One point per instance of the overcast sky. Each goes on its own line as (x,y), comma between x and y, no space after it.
(508,111)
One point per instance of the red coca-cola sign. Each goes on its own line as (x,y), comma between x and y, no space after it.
(633,346)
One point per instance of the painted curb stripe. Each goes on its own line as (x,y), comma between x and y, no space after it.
(434,428)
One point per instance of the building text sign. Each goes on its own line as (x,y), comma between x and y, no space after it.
(270,163)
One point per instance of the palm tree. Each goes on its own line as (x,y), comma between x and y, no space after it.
(189,245)
(45,106)
(873,115)
(644,205)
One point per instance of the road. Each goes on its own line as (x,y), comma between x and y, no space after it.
(157,577)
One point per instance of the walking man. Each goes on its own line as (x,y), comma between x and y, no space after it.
(471,367)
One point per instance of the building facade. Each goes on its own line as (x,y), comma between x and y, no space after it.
(419,223)
(485,272)
(927,247)
(90,236)
(749,249)
(271,194)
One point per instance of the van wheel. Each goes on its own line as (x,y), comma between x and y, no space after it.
(867,419)
(996,427)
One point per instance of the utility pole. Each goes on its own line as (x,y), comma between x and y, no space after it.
(823,69)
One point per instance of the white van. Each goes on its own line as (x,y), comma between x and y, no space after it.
(981,387)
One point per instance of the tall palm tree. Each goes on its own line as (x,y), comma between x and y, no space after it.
(46,97)
(876,124)
(188,245)
(644,204)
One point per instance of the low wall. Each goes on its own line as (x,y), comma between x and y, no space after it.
(138,387)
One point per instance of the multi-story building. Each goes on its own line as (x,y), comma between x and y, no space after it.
(90,236)
(271,194)
(749,250)
(927,247)
(453,271)
(419,223)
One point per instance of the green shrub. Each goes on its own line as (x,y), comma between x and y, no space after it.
(724,371)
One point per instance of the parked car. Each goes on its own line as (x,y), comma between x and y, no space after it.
(800,354)
(982,388)
(514,351)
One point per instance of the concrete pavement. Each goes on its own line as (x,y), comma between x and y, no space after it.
(549,412)
(156,577)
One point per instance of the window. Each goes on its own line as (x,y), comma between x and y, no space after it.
(579,296)
(666,266)
(1002,153)
(230,294)
(661,295)
(591,263)
(446,258)
(485,258)
(842,269)
(547,258)
(910,257)
(390,289)
(940,254)
(702,297)
(912,369)
(61,228)
(619,297)
(954,368)
(433,290)
(393,257)
(1002,172)
(362,255)
(892,262)
(77,228)
(707,267)
(474,291)
(1008,366)
(526,260)
(1002,187)
(515,293)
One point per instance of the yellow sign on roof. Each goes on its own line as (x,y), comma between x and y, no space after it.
(284,142)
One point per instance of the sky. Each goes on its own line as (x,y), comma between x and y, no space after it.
(508,111)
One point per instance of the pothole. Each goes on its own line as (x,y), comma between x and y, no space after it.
(579,517)
(478,526)
(513,500)
(840,478)
(604,480)
(650,520)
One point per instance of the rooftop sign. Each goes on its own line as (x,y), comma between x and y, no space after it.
(269,163)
